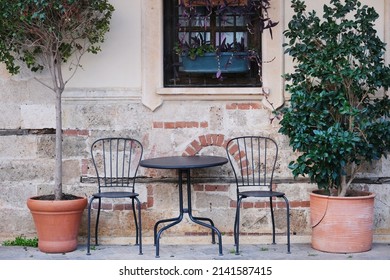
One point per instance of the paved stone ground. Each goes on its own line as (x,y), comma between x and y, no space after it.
(299,251)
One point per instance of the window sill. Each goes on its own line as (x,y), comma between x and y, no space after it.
(227,93)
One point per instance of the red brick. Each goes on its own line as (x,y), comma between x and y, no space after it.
(119,207)
(280,204)
(246,205)
(224,144)
(233,149)
(190,151)
(129,206)
(158,125)
(214,139)
(239,156)
(180,125)
(196,145)
(209,139)
(203,140)
(169,125)
(144,206)
(248,106)
(150,201)
(244,163)
(70,132)
(198,188)
(104,206)
(193,124)
(231,106)
(244,106)
(218,188)
(261,204)
(256,106)
(220,140)
(83,132)
(76,132)
(297,204)
(204,124)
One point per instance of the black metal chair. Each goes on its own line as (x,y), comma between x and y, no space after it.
(116,162)
(253,160)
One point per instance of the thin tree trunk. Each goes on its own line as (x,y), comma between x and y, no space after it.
(59,88)
(343,186)
(58,148)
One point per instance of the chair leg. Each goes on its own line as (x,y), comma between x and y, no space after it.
(135,222)
(89,226)
(288,223)
(139,226)
(237,226)
(273,220)
(97,222)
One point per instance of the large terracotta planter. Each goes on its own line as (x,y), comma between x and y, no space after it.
(57,223)
(342,224)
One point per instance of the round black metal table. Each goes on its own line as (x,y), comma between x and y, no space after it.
(184,164)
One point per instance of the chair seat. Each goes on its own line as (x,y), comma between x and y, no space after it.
(115,194)
(261,194)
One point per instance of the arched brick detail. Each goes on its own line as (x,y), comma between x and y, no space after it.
(239,157)
(204,141)
(219,140)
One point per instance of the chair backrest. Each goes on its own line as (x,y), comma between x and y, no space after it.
(253,160)
(116,161)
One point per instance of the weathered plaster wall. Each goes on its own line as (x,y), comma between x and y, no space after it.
(105,99)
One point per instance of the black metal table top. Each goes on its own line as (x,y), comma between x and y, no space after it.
(183,162)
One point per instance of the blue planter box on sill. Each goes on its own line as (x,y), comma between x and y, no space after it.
(227,62)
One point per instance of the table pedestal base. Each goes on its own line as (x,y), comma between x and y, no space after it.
(174,221)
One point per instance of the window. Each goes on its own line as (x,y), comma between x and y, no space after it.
(231,34)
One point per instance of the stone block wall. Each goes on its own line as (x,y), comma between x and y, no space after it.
(176,128)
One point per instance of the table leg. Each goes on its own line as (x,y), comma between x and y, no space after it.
(198,220)
(174,221)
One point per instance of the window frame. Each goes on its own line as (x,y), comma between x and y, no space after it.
(180,30)
(153,91)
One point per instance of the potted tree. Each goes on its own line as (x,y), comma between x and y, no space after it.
(338,116)
(205,50)
(44,36)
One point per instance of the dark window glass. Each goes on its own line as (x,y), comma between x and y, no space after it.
(227,33)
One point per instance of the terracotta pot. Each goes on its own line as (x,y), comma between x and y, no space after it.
(342,224)
(57,223)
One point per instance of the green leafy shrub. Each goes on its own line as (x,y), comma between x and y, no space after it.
(338,117)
